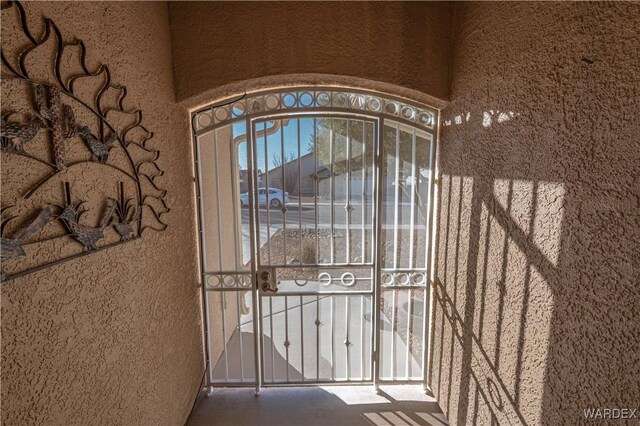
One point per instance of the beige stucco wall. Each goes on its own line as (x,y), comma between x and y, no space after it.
(406,44)
(113,337)
(536,314)
(221,235)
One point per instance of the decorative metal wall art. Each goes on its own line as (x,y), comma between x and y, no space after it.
(65,126)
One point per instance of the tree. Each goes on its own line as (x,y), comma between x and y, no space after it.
(334,132)
(290,170)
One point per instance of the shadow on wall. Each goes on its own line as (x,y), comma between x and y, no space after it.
(532,270)
(498,240)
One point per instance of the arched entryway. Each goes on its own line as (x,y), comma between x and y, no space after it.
(315,208)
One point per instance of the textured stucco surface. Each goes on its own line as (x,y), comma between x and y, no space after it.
(113,337)
(537,286)
(403,43)
(537,296)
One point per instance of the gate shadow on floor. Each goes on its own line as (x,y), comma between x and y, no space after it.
(329,405)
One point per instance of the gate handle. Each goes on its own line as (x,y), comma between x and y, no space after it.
(266,288)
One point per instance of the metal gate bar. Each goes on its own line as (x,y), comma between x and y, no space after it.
(257,311)
(376,220)
(284,209)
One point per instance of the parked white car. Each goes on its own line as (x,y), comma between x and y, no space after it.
(273,196)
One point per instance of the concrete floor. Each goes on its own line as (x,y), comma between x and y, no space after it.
(326,405)
(322,360)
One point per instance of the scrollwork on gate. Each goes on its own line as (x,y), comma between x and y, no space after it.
(79,174)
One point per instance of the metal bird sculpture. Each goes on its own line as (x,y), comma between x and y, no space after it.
(98,148)
(12,247)
(70,214)
(16,135)
(60,117)
(86,235)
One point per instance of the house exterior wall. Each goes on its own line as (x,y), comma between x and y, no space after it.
(307,169)
(402,43)
(113,337)
(340,183)
(536,292)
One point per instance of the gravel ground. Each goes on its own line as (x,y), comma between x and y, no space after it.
(310,244)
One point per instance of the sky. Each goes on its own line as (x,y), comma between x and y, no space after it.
(290,139)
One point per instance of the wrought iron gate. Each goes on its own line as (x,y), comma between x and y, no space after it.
(314,230)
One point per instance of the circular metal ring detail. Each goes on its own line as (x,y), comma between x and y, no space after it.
(408,112)
(402,278)
(244,281)
(348,279)
(213,281)
(324,278)
(425,118)
(221,114)
(418,278)
(392,108)
(386,278)
(289,100)
(323,99)
(230,280)
(272,102)
(306,99)
(238,109)
(205,119)
(339,100)
(300,283)
(374,104)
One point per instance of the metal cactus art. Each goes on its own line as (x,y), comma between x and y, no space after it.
(61,120)
(126,215)
(66,125)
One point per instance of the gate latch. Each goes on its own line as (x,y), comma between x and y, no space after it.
(267,280)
